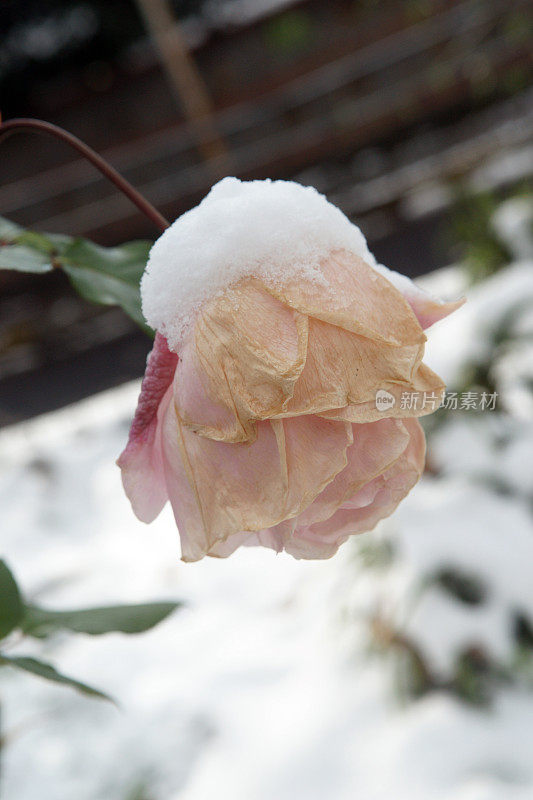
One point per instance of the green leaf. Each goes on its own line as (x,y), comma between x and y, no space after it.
(23,259)
(9,230)
(40,622)
(11,605)
(49,673)
(104,275)
(38,241)
(126,262)
(110,276)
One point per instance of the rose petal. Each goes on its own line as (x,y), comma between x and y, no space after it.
(371,502)
(245,354)
(344,369)
(273,538)
(428,309)
(354,296)
(416,398)
(376,447)
(199,407)
(228,546)
(141,461)
(322,539)
(218,489)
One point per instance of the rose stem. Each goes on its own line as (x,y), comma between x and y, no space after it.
(39,126)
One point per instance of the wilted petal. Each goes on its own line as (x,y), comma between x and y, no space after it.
(376,447)
(232,543)
(354,296)
(141,461)
(201,410)
(428,309)
(367,507)
(244,356)
(218,489)
(415,398)
(345,369)
(273,538)
(315,452)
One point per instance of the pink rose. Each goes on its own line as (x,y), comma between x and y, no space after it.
(265,430)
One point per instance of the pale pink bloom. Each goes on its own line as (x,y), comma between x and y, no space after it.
(265,431)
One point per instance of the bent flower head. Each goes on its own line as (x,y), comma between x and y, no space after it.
(259,417)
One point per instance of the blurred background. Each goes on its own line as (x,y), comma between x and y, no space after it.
(401,669)
(394,109)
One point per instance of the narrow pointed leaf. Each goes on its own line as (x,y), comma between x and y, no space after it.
(40,622)
(11,605)
(50,673)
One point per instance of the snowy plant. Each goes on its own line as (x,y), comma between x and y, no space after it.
(454,604)
(274,409)
(21,618)
(489,233)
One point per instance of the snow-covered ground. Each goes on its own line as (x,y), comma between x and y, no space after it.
(263,686)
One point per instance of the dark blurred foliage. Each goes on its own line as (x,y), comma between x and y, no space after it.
(480,249)
(42,39)
(471,232)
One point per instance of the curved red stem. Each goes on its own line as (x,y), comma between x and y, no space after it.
(39,126)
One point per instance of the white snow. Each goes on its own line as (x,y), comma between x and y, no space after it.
(275,230)
(459,524)
(513,223)
(269,229)
(263,687)
(467,335)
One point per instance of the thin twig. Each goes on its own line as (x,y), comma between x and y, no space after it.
(39,126)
